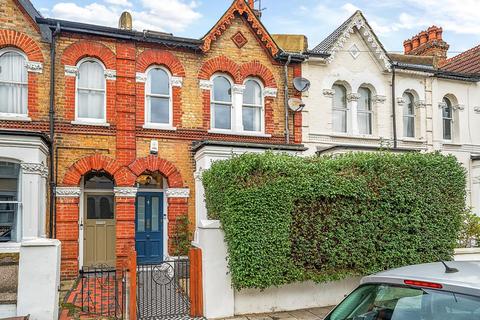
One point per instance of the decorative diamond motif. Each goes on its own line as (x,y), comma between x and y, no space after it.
(239,39)
(354,51)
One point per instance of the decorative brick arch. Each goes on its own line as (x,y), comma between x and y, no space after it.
(257,69)
(12,38)
(169,60)
(97,162)
(220,64)
(83,48)
(152,164)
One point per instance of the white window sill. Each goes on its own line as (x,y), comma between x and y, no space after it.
(240,133)
(15,117)
(89,123)
(9,247)
(409,139)
(354,136)
(159,127)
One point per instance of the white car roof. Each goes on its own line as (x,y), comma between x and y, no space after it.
(466,280)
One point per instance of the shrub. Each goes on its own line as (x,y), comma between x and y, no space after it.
(470,232)
(290,219)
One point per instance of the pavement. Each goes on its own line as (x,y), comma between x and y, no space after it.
(305,314)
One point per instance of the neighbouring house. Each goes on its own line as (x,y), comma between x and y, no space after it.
(432,104)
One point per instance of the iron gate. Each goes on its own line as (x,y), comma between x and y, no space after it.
(163,289)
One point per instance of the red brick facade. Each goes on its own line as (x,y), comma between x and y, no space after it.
(121,147)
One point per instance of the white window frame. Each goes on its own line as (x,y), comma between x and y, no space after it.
(148,123)
(368,112)
(78,119)
(409,116)
(16,115)
(231,104)
(18,219)
(261,106)
(450,119)
(345,109)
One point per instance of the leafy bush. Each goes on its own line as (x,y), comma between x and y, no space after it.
(470,232)
(292,219)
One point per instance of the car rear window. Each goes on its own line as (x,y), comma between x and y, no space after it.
(391,302)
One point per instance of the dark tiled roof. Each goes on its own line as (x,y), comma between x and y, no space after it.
(324,46)
(467,62)
(412,59)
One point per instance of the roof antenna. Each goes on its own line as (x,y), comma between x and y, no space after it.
(449,269)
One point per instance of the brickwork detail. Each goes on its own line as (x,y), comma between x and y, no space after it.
(83,48)
(23,42)
(159,57)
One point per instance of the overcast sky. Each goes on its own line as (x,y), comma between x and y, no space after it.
(392,20)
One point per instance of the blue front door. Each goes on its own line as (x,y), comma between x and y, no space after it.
(149,226)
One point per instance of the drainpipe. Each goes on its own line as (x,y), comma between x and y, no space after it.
(394,119)
(51,114)
(287,131)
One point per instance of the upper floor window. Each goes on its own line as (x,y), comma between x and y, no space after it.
(252,110)
(13,83)
(364,111)
(221,103)
(91,92)
(339,117)
(158,97)
(9,200)
(408,115)
(447,117)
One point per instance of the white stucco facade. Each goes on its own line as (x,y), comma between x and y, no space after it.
(364,68)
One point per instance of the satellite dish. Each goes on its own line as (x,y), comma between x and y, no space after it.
(295,104)
(301,84)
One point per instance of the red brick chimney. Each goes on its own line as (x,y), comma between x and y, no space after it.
(428,43)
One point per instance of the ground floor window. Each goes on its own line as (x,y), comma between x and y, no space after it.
(9,200)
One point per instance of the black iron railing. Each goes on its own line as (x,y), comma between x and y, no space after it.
(163,289)
(103,292)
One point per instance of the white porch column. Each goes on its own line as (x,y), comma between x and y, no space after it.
(33,185)
(352,100)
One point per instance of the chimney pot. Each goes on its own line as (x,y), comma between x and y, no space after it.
(439,33)
(125,21)
(407,46)
(423,37)
(415,42)
(251,4)
(432,33)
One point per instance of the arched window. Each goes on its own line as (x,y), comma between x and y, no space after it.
(158,97)
(221,105)
(9,200)
(447,117)
(408,115)
(364,111)
(13,83)
(91,91)
(339,109)
(252,110)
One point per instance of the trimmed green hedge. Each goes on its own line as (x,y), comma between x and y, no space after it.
(291,219)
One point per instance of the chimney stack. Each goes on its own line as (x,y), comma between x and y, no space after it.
(428,43)
(125,21)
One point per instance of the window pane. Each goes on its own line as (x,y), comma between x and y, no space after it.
(91,208)
(409,126)
(158,82)
(155,214)
(365,123)
(222,90)
(340,96)
(98,180)
(106,207)
(91,76)
(447,129)
(252,93)
(251,118)
(8,192)
(13,83)
(159,110)
(364,103)
(91,104)
(339,121)
(222,116)
(408,108)
(140,214)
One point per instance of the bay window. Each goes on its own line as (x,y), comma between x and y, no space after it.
(13,83)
